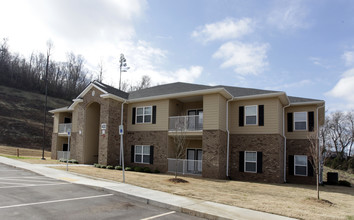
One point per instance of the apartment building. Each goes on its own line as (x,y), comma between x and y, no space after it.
(238,133)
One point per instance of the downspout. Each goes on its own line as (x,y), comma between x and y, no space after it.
(285,138)
(319,152)
(228,136)
(121,154)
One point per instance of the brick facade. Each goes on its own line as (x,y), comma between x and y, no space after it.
(54,146)
(271,146)
(158,139)
(214,154)
(298,147)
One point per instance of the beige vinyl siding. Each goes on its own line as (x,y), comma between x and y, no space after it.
(175,107)
(56,123)
(280,118)
(222,113)
(162,115)
(213,112)
(272,112)
(299,134)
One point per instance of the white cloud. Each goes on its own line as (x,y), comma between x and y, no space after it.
(247,59)
(98,30)
(289,15)
(223,30)
(348,58)
(319,62)
(285,86)
(344,89)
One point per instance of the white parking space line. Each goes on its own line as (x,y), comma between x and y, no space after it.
(24,177)
(29,181)
(157,216)
(32,185)
(10,170)
(12,183)
(54,201)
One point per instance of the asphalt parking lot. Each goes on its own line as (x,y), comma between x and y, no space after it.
(26,195)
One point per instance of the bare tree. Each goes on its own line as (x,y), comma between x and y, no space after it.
(180,140)
(339,134)
(315,157)
(350,118)
(100,71)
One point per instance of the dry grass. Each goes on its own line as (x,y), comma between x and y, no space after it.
(284,199)
(27,155)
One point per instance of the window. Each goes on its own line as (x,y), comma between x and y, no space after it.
(251,161)
(142,154)
(300,165)
(300,121)
(251,115)
(143,114)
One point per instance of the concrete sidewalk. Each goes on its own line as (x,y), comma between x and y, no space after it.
(195,207)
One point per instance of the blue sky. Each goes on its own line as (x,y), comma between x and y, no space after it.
(305,48)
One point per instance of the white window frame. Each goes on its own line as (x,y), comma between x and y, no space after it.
(142,154)
(136,115)
(245,119)
(300,165)
(245,158)
(300,121)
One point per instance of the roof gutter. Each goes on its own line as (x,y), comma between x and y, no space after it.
(308,103)
(184,94)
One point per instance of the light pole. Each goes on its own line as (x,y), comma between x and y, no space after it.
(122,68)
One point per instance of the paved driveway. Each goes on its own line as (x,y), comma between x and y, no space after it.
(26,195)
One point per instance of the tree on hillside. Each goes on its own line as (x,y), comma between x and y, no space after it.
(339,134)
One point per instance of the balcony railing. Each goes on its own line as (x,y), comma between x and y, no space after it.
(186,123)
(64,128)
(63,155)
(185,166)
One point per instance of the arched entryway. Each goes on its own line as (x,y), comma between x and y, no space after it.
(92,123)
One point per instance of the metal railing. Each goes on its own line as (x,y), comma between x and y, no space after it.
(186,123)
(63,155)
(185,166)
(63,128)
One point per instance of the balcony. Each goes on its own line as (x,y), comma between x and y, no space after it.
(186,123)
(64,128)
(185,166)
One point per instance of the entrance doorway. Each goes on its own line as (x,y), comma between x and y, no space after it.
(92,123)
(194,160)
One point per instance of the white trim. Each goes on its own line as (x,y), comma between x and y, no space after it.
(75,102)
(244,167)
(60,110)
(111,96)
(142,154)
(245,116)
(223,91)
(83,93)
(308,103)
(306,121)
(300,165)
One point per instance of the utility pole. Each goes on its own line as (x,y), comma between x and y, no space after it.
(49,45)
(122,68)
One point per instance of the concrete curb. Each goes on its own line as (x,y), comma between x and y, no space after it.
(190,206)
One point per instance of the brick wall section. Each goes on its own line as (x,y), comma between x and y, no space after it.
(298,147)
(272,148)
(214,154)
(54,146)
(158,139)
(108,149)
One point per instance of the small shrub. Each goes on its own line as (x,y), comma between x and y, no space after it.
(146,170)
(139,169)
(97,165)
(62,160)
(156,171)
(351,163)
(128,169)
(344,183)
(118,167)
(110,167)
(75,161)
(103,166)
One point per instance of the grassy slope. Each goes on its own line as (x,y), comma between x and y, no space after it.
(21,118)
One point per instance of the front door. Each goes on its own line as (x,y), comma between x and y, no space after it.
(195,120)
(194,160)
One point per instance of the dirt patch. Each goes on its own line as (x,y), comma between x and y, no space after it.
(290,200)
(320,201)
(177,180)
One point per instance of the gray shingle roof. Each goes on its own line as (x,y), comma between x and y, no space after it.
(180,87)
(294,99)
